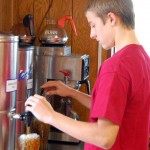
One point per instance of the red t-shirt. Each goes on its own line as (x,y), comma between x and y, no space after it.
(122,94)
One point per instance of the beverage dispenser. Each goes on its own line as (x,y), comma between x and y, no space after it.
(24,84)
(54,61)
(51,66)
(25,31)
(8,87)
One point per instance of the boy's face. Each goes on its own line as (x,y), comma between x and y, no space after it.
(100,31)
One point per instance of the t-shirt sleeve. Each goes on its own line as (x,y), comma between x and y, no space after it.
(110,97)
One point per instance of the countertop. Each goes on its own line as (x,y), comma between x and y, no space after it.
(60,146)
(58,140)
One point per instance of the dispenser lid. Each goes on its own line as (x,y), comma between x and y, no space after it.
(7,37)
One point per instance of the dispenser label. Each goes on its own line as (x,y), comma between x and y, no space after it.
(24,74)
(29,84)
(11,85)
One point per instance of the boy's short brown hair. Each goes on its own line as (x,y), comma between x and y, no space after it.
(122,8)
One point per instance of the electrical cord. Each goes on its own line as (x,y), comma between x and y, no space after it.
(50,5)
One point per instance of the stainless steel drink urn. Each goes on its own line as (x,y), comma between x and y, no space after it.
(25,31)
(24,84)
(8,87)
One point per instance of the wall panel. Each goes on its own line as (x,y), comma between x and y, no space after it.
(82,44)
(21,8)
(6,15)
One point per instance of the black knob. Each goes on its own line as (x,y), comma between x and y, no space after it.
(27,118)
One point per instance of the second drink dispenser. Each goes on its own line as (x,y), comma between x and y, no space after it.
(25,31)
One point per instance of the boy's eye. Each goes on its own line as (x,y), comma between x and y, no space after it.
(92,26)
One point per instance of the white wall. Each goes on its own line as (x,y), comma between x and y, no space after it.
(142,22)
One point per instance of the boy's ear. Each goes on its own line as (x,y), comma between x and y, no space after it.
(112,18)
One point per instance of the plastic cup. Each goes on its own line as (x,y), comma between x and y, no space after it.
(29,141)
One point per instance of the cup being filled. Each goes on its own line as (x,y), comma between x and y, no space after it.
(29,141)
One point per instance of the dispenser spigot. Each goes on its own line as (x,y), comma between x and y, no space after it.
(66,75)
(26,117)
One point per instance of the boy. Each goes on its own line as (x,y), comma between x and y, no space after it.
(120,101)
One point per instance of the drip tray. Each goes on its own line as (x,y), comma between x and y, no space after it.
(63,138)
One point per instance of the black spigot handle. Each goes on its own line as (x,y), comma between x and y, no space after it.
(28,22)
(27,118)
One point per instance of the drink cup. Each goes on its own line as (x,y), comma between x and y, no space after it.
(29,141)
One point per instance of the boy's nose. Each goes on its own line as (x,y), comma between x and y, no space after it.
(92,35)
